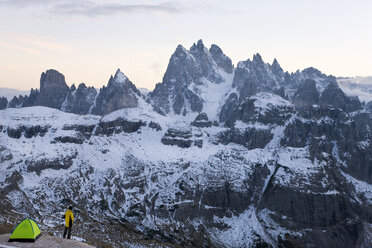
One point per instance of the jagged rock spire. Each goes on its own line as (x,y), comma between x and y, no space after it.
(53,89)
(119,93)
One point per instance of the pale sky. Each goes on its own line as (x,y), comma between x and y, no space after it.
(88,40)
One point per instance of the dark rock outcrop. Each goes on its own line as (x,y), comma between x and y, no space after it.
(119,93)
(117,126)
(201,121)
(297,78)
(3,103)
(228,108)
(31,99)
(252,77)
(55,164)
(5,154)
(53,89)
(17,102)
(251,138)
(12,182)
(334,96)
(182,138)
(80,100)
(368,107)
(276,112)
(347,138)
(24,101)
(69,139)
(27,131)
(256,76)
(354,104)
(259,114)
(221,59)
(306,95)
(54,93)
(155,126)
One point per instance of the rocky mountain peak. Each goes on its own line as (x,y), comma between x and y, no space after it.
(220,58)
(53,89)
(312,71)
(215,50)
(198,49)
(3,102)
(335,97)
(187,71)
(119,78)
(81,86)
(79,100)
(180,51)
(119,93)
(73,87)
(321,79)
(52,78)
(276,66)
(256,76)
(257,59)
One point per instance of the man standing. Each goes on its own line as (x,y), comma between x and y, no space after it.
(69,218)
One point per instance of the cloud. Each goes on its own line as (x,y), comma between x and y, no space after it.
(23,49)
(156,67)
(357,86)
(32,43)
(91,8)
(52,46)
(25,3)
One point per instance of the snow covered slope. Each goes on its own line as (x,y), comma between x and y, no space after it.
(271,175)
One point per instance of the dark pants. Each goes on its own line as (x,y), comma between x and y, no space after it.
(69,231)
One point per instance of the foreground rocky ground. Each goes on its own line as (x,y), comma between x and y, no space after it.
(43,242)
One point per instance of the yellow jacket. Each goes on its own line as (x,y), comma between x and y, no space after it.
(69,215)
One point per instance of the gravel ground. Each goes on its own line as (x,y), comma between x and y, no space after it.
(43,242)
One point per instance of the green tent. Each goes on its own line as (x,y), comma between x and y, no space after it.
(26,231)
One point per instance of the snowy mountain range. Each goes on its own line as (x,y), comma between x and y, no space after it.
(215,156)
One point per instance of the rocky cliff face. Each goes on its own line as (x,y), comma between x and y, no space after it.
(306,95)
(53,89)
(334,96)
(119,93)
(368,107)
(3,103)
(257,76)
(295,79)
(80,100)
